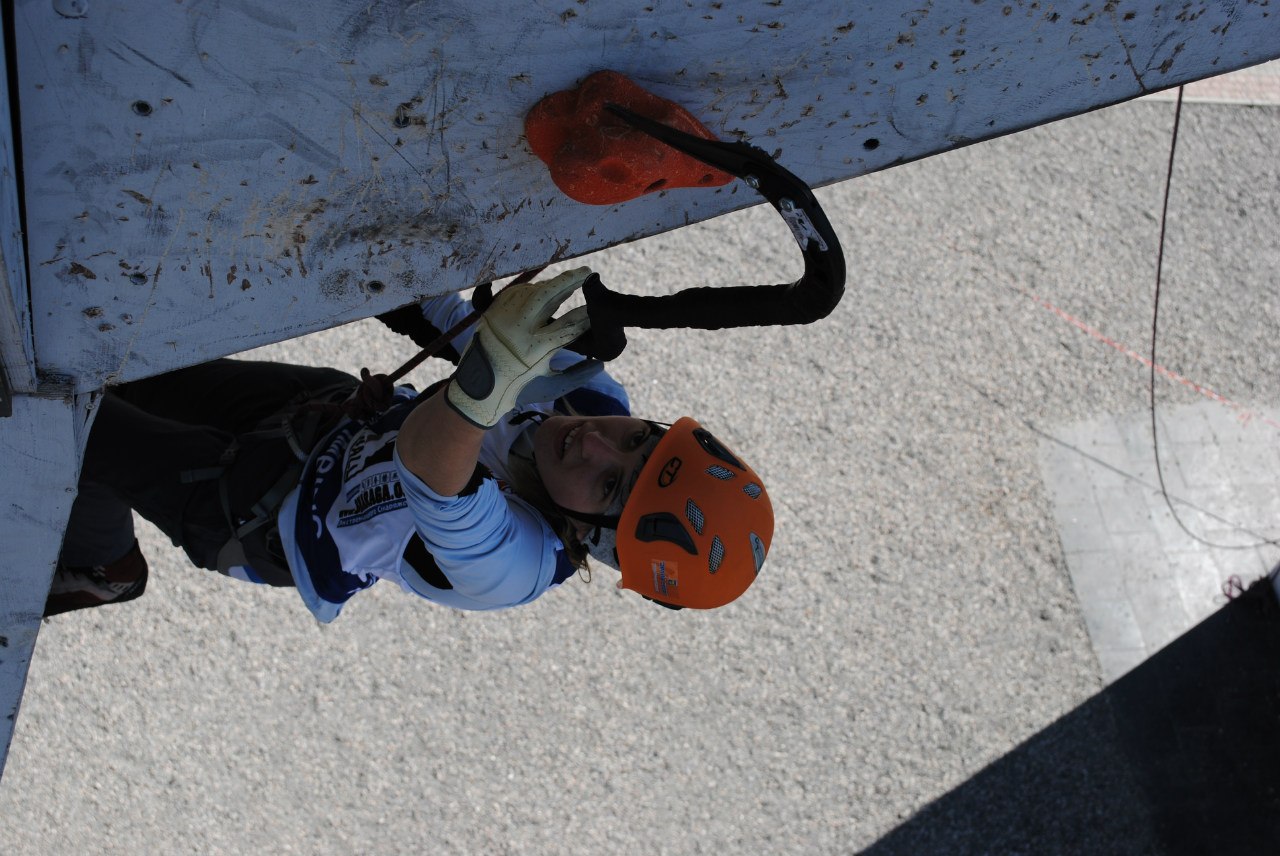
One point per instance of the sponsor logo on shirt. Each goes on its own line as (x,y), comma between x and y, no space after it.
(376,494)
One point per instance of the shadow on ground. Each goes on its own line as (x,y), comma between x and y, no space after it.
(1179,756)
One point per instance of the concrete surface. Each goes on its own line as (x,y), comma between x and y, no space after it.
(1144,570)
(918,621)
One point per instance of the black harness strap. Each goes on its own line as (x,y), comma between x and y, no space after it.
(301,425)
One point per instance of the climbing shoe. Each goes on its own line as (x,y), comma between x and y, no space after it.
(83,587)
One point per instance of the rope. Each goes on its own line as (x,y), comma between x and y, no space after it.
(446,337)
(373,395)
(1151,387)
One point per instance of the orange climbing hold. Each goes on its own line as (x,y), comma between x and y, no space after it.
(597,158)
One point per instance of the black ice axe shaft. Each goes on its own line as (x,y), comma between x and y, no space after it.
(808,299)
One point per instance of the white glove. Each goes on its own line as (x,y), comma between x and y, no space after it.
(513,344)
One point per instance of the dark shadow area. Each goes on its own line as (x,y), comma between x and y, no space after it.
(1179,756)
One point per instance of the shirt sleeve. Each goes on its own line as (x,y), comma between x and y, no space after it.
(494,549)
(445,310)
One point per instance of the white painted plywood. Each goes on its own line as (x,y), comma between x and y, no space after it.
(204,177)
(40,445)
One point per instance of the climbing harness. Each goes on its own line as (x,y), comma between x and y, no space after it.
(300,425)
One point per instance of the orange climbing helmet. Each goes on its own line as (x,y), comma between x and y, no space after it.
(697,524)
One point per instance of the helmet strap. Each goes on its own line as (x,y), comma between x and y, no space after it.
(599,521)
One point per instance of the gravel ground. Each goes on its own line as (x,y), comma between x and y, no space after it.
(914,629)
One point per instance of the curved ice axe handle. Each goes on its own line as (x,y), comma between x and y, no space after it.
(808,299)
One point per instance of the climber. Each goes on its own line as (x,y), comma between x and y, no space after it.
(481,493)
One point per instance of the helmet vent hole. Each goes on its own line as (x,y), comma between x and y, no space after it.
(715,448)
(716,555)
(752,490)
(722,473)
(694,515)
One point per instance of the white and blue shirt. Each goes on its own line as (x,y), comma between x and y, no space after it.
(358,515)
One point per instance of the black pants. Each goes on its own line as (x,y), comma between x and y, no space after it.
(149,433)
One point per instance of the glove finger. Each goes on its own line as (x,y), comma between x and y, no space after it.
(550,387)
(556,290)
(566,328)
